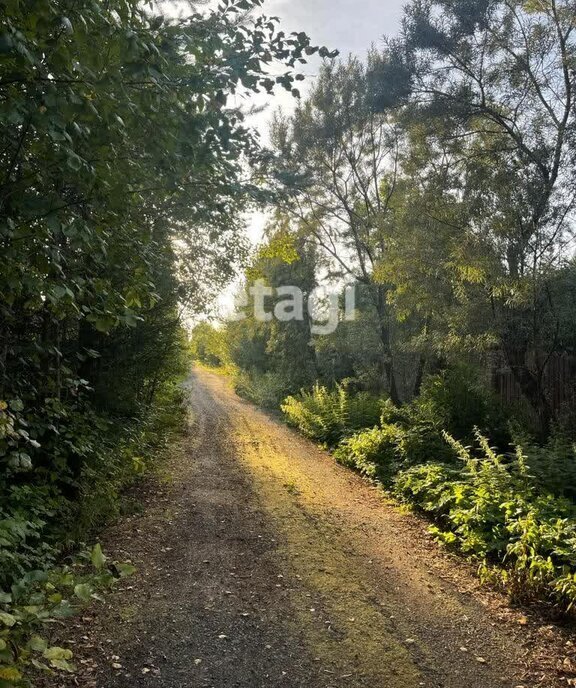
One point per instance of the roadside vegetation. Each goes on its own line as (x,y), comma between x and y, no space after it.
(511,510)
(436,177)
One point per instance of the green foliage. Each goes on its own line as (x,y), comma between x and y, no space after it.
(25,515)
(122,192)
(208,345)
(139,446)
(373,452)
(458,400)
(422,442)
(553,465)
(264,389)
(495,510)
(330,415)
(274,358)
(40,598)
(45,513)
(455,401)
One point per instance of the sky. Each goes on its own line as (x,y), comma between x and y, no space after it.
(350,26)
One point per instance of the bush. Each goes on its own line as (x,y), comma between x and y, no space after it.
(263,389)
(427,487)
(493,509)
(43,598)
(26,515)
(421,439)
(328,416)
(455,401)
(373,452)
(459,401)
(552,465)
(423,442)
(48,507)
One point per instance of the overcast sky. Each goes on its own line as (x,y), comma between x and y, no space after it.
(350,26)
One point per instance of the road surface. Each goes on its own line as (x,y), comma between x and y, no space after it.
(261,562)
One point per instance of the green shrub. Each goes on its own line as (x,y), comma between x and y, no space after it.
(553,465)
(26,516)
(48,507)
(459,400)
(263,389)
(391,414)
(456,401)
(328,416)
(373,452)
(493,509)
(42,598)
(423,442)
(428,486)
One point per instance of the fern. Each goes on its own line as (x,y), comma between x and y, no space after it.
(328,416)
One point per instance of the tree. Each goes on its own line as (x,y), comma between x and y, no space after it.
(492,86)
(125,168)
(278,354)
(339,162)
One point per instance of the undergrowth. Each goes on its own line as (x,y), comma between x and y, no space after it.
(328,416)
(31,605)
(494,508)
(46,515)
(511,509)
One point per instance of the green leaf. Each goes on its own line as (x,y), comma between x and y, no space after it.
(38,644)
(56,653)
(7,619)
(62,665)
(126,570)
(83,592)
(10,674)
(97,557)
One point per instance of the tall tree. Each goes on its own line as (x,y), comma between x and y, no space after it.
(340,160)
(280,347)
(125,167)
(492,92)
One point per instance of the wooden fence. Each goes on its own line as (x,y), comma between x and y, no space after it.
(559,381)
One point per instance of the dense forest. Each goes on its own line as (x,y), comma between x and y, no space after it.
(428,189)
(436,177)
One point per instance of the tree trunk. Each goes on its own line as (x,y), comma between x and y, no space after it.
(419,375)
(392,387)
(387,355)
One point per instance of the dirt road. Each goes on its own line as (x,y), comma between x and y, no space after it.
(263,563)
